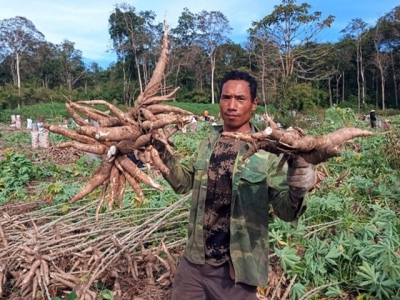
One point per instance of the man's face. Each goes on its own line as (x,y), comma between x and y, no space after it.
(236,106)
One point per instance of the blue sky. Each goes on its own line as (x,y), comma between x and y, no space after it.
(85,22)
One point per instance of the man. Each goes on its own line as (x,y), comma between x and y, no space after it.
(226,256)
(372,118)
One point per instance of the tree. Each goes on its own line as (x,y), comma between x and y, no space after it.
(212,28)
(358,30)
(230,56)
(184,50)
(290,28)
(136,35)
(72,66)
(265,56)
(389,44)
(17,36)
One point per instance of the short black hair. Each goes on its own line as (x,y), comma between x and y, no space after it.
(241,75)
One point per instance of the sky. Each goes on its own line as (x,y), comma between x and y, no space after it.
(85,22)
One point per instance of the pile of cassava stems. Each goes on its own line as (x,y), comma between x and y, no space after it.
(131,252)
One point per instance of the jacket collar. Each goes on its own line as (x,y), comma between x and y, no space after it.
(219,128)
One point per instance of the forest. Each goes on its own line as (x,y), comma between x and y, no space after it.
(295,71)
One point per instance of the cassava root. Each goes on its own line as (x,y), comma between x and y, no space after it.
(116,134)
(295,143)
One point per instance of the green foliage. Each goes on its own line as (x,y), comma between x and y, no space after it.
(16,139)
(16,170)
(40,112)
(196,96)
(301,96)
(342,117)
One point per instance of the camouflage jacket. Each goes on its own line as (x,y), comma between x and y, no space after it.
(256,184)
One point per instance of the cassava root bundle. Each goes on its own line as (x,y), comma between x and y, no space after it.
(121,133)
(295,143)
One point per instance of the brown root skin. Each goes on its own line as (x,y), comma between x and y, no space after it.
(114,185)
(123,117)
(135,186)
(160,99)
(126,146)
(158,163)
(91,113)
(142,141)
(121,189)
(138,174)
(313,149)
(147,114)
(71,134)
(110,134)
(95,149)
(168,120)
(102,174)
(163,108)
(132,182)
(110,122)
(75,116)
(153,85)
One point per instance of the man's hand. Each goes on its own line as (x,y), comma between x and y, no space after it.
(300,177)
(160,147)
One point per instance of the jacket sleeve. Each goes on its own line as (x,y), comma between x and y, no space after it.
(181,174)
(278,194)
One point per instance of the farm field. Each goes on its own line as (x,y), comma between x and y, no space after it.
(346,246)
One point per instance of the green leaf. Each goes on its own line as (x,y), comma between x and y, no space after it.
(288,257)
(72,296)
(107,294)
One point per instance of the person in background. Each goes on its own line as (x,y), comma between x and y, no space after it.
(226,255)
(206,115)
(193,124)
(372,118)
(386,124)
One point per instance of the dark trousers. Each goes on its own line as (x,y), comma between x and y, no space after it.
(206,282)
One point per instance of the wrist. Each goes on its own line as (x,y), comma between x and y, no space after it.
(296,200)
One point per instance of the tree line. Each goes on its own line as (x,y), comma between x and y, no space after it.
(295,72)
